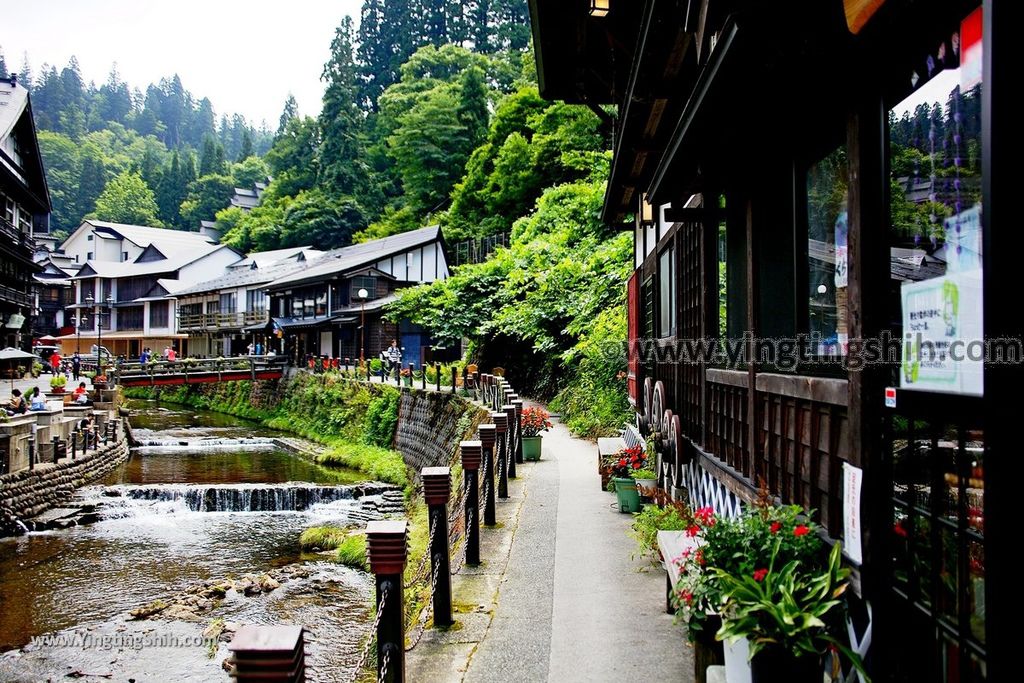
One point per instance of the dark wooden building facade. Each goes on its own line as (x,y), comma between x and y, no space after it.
(808,182)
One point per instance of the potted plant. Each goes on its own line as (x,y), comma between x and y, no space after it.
(406,374)
(57,384)
(784,613)
(646,481)
(664,515)
(533,421)
(99,382)
(630,460)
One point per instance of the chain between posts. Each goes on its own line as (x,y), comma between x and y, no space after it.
(419,573)
(422,624)
(373,635)
(384,667)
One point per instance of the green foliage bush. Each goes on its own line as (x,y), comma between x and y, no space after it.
(378,463)
(352,552)
(381,419)
(322,538)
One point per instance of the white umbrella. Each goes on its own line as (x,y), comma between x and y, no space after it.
(11,354)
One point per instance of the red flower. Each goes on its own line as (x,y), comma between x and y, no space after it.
(700,557)
(899,530)
(687,597)
(801,530)
(706,516)
(775,527)
(637,465)
(759,574)
(693,531)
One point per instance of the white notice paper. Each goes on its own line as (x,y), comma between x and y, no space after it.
(852,478)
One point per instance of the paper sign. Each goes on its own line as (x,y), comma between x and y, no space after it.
(890,397)
(943,339)
(852,479)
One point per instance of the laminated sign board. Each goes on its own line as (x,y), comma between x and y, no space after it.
(943,347)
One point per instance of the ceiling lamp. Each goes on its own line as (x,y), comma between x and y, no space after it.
(599,8)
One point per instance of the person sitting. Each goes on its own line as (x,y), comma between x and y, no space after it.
(17,405)
(38,402)
(81,395)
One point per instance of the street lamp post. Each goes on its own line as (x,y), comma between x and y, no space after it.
(362,293)
(98,313)
(80,319)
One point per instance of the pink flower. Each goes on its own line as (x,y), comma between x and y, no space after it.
(759,574)
(705,516)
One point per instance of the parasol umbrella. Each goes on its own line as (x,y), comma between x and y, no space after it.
(47,338)
(10,356)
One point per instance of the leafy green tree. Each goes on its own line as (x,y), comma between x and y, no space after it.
(246,151)
(206,196)
(341,166)
(315,218)
(249,171)
(172,190)
(92,181)
(63,173)
(293,159)
(3,65)
(290,111)
(127,199)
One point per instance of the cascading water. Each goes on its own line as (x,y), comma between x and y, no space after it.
(209,444)
(287,497)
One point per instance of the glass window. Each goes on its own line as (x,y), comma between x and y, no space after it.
(827,183)
(935,226)
(227,303)
(129,318)
(255,300)
(666,293)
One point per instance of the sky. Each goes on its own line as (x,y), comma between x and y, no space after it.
(245,56)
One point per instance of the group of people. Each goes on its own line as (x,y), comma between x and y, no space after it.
(20,404)
(169,355)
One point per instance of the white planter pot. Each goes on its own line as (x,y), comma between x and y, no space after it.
(737,664)
(648,484)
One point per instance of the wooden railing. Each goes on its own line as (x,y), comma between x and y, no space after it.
(19,238)
(15,296)
(195,370)
(221,320)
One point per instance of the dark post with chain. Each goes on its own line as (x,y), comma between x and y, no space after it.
(56,448)
(517,403)
(412,369)
(423,376)
(386,553)
(485,386)
(437,376)
(487,438)
(74,443)
(471,466)
(500,421)
(510,439)
(437,488)
(31,453)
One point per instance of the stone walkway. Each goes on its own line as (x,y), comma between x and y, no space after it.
(558,597)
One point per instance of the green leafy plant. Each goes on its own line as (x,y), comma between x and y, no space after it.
(788,607)
(665,515)
(58,382)
(376,365)
(643,474)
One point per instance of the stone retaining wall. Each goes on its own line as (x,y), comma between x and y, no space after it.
(28,493)
(430,426)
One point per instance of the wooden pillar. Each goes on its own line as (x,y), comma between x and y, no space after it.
(501,451)
(471,454)
(386,551)
(437,488)
(488,437)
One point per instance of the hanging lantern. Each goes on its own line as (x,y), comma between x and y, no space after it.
(599,8)
(646,210)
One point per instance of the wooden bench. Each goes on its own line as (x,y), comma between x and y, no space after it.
(672,544)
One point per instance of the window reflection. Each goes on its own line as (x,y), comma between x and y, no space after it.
(827,182)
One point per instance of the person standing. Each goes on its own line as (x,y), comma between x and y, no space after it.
(55,362)
(172,355)
(76,365)
(394,355)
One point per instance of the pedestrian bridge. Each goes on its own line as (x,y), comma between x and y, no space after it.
(199,371)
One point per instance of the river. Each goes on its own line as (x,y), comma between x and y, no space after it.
(209,496)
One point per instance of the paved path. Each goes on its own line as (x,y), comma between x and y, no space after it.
(559,597)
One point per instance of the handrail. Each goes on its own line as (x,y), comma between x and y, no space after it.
(221,320)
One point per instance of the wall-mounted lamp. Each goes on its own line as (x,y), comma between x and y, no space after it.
(599,8)
(646,210)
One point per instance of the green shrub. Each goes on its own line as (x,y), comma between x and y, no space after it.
(352,552)
(651,520)
(378,463)
(322,538)
(381,419)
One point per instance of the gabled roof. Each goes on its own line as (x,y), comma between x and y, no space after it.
(243,277)
(16,119)
(169,242)
(262,259)
(129,269)
(346,259)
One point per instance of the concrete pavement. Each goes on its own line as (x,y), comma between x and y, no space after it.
(559,597)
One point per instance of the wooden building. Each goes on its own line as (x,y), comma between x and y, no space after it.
(24,213)
(808,182)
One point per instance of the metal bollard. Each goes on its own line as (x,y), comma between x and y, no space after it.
(423,376)
(386,552)
(437,375)
(477,388)
(74,443)
(510,439)
(487,438)
(437,488)
(31,452)
(471,451)
(412,368)
(455,378)
(500,421)
(518,404)
(56,448)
